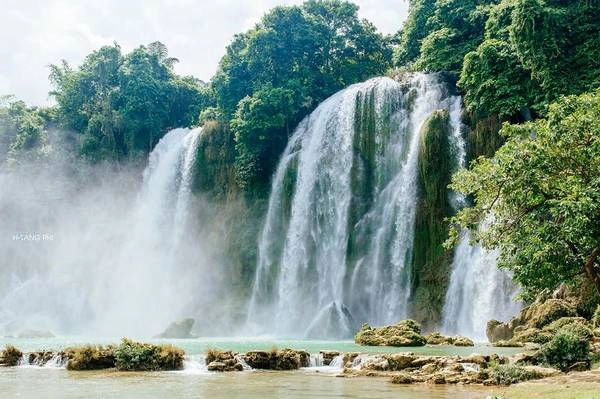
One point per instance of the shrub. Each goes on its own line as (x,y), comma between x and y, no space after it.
(136,356)
(582,331)
(11,356)
(564,350)
(506,374)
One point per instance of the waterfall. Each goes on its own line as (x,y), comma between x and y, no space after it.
(338,236)
(478,290)
(122,253)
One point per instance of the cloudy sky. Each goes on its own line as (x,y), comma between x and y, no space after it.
(34,34)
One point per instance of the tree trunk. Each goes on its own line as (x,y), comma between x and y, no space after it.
(590,270)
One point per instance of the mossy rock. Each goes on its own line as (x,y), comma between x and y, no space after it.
(90,358)
(544,313)
(286,359)
(507,344)
(463,341)
(137,356)
(564,321)
(534,335)
(10,356)
(403,333)
(435,338)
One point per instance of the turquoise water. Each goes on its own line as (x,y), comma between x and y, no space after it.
(200,345)
(196,382)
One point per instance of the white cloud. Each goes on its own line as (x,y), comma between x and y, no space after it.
(34,34)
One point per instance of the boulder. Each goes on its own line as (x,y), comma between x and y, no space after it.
(217,360)
(403,333)
(536,315)
(328,356)
(463,341)
(286,359)
(178,329)
(402,378)
(507,344)
(400,361)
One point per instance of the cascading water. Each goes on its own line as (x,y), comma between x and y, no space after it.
(337,242)
(118,261)
(478,290)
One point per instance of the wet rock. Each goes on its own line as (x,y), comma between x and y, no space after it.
(216,366)
(400,361)
(376,363)
(328,356)
(349,357)
(89,358)
(423,360)
(437,379)
(286,359)
(463,341)
(10,356)
(179,329)
(402,378)
(40,358)
(403,333)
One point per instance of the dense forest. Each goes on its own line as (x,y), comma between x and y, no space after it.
(528,72)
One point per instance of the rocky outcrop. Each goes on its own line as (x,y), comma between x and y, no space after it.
(328,356)
(178,329)
(403,333)
(436,338)
(223,361)
(89,358)
(534,316)
(285,359)
(10,356)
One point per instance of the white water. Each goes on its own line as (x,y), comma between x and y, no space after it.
(478,290)
(304,271)
(121,259)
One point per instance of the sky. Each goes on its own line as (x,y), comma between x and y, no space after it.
(34,34)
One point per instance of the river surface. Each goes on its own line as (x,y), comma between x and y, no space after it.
(195,381)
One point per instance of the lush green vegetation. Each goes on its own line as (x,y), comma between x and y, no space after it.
(280,70)
(513,57)
(120,105)
(533,63)
(543,189)
(564,350)
(137,356)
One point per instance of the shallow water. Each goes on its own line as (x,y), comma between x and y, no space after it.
(240,344)
(59,383)
(196,382)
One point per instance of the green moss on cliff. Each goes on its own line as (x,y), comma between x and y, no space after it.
(431,261)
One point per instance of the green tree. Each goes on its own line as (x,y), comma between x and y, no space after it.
(121,105)
(541,195)
(293,59)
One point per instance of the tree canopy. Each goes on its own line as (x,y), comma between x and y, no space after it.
(122,104)
(540,193)
(277,72)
